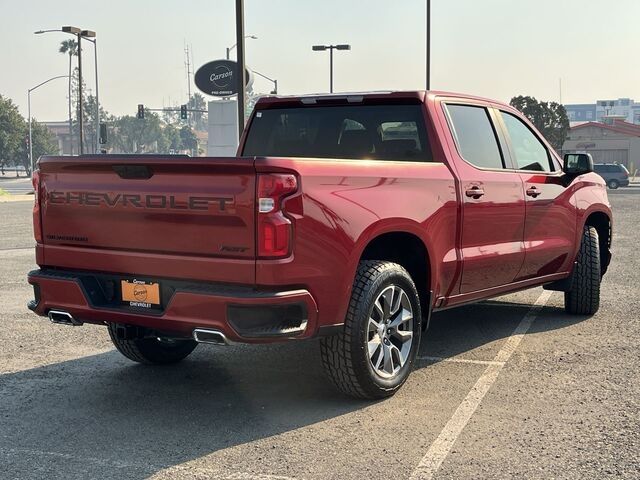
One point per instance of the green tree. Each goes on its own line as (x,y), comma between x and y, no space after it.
(44,143)
(550,118)
(188,139)
(69,47)
(133,135)
(197,102)
(12,132)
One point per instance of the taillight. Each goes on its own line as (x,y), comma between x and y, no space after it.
(274,228)
(37,226)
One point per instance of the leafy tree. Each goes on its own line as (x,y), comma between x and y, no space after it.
(188,139)
(550,118)
(44,143)
(197,102)
(134,135)
(69,47)
(12,132)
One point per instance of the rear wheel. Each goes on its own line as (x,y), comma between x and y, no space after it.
(583,298)
(374,354)
(150,350)
(613,184)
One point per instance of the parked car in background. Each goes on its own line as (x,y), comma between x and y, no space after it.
(615,175)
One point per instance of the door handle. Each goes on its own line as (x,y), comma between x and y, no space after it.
(474,192)
(532,191)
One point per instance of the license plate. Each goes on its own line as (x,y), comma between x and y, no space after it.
(141,294)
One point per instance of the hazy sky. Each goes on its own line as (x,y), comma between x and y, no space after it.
(494,48)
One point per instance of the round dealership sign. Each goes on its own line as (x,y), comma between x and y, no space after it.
(218,78)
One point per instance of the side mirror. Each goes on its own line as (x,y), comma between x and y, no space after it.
(577,163)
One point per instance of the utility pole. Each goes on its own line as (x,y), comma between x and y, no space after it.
(428,59)
(241,64)
(80,119)
(188,65)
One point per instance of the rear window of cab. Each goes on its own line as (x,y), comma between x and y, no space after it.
(373,132)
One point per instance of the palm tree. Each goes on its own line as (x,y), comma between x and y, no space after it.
(70,47)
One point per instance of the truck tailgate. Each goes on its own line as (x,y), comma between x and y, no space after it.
(149,205)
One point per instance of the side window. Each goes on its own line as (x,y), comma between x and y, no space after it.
(475,136)
(530,153)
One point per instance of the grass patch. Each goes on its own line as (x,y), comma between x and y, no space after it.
(3,192)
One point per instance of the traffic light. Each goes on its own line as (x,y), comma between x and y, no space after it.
(26,141)
(140,111)
(183,112)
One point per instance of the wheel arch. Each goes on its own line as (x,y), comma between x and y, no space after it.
(601,221)
(409,250)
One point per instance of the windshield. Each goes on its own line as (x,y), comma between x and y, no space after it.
(380,132)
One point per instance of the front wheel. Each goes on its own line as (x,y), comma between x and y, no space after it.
(583,298)
(374,354)
(150,350)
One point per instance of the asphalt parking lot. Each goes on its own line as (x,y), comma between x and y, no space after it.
(560,398)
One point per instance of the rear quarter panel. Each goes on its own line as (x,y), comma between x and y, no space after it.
(347,203)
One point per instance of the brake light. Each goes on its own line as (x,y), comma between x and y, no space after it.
(274,228)
(37,226)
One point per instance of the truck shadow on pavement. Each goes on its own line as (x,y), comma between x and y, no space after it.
(106,417)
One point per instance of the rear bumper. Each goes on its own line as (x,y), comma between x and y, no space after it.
(242,314)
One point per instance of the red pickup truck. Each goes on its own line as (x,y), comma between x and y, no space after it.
(346,217)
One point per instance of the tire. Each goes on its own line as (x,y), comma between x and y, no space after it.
(151,350)
(583,298)
(613,184)
(365,360)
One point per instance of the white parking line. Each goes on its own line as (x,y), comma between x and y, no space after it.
(440,448)
(459,360)
(16,252)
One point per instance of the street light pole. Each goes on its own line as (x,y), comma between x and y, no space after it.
(87,35)
(428,59)
(29,114)
(253,37)
(331,48)
(241,67)
(80,106)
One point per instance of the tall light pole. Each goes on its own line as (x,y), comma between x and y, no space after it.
(29,114)
(242,85)
(428,59)
(331,48)
(253,37)
(87,35)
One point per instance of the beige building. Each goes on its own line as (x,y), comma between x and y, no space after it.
(618,142)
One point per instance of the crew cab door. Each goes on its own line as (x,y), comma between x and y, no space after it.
(550,225)
(493,206)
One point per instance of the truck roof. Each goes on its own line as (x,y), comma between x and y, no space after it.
(358,97)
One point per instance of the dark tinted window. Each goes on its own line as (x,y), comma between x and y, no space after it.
(599,168)
(379,132)
(475,136)
(530,152)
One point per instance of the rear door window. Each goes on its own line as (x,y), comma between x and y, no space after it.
(475,136)
(376,132)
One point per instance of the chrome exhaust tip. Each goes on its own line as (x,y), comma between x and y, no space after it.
(63,318)
(212,337)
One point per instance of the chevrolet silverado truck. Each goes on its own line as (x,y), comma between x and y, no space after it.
(346,217)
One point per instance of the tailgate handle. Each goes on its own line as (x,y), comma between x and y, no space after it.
(133,172)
